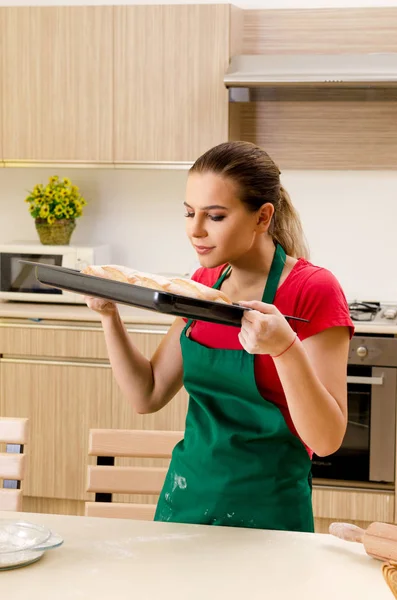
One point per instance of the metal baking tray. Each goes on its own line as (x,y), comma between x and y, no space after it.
(141,297)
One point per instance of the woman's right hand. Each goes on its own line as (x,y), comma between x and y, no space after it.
(100,305)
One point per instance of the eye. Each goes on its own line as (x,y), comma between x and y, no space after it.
(216,218)
(189,214)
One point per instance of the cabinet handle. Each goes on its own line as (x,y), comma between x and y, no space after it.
(365,380)
(152,331)
(59,363)
(79,328)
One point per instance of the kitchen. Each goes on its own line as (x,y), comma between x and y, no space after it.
(347,214)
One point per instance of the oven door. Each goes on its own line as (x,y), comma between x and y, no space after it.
(368,448)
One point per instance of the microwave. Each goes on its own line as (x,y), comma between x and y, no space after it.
(18,280)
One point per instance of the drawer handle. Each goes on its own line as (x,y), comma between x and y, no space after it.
(365,380)
(78,328)
(59,363)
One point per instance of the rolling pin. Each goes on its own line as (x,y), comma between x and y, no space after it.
(379,540)
(389,571)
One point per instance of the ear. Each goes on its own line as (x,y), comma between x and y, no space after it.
(265,214)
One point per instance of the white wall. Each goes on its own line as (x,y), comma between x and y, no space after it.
(350,220)
(243,3)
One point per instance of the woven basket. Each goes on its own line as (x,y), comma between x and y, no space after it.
(57,234)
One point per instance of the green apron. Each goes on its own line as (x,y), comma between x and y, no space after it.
(239,464)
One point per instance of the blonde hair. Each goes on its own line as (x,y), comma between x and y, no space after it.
(258,181)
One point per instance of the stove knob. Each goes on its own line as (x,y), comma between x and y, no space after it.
(390,313)
(362,351)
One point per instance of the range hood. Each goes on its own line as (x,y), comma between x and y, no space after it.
(354,70)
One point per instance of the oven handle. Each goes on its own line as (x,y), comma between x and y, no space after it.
(365,380)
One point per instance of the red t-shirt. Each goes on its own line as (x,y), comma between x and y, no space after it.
(309,292)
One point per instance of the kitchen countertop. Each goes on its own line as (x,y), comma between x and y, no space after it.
(77,312)
(124,559)
(381,329)
(129,314)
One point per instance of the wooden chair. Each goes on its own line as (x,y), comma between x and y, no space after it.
(13,432)
(106,479)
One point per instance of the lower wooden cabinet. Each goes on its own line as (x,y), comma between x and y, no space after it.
(60,378)
(62,381)
(352,506)
(62,401)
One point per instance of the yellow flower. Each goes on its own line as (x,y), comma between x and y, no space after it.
(44,211)
(56,199)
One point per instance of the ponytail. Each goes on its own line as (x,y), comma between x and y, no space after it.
(286,228)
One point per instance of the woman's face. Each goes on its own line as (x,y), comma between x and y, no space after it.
(220,227)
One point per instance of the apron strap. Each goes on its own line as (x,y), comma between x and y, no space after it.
(222,278)
(274,276)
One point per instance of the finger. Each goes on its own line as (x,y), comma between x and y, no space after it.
(251,317)
(256,320)
(262,307)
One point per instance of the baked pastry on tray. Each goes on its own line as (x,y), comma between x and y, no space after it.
(172,285)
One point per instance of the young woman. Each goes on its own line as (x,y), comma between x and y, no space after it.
(263,397)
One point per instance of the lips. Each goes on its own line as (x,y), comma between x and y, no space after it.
(203,249)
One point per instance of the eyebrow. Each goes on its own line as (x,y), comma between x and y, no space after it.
(208,207)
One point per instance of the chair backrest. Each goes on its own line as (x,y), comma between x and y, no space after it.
(106,479)
(13,433)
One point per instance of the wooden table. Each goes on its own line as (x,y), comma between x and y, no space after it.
(102,559)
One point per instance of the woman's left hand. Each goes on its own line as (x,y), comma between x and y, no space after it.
(264,330)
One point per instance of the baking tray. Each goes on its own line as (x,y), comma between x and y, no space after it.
(141,297)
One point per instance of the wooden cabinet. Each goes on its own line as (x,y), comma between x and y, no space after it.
(59,377)
(170,100)
(62,401)
(57,84)
(357,506)
(106,84)
(1,82)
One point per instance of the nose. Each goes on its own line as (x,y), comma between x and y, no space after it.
(196,228)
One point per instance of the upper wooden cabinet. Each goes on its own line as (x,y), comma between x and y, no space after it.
(170,100)
(1,81)
(57,83)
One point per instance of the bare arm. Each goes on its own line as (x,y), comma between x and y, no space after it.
(147,384)
(312,373)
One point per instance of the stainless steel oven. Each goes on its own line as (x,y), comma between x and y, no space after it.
(368,450)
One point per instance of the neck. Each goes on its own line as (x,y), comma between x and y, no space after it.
(254,265)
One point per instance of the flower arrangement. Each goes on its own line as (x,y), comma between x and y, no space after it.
(59,199)
(55,208)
